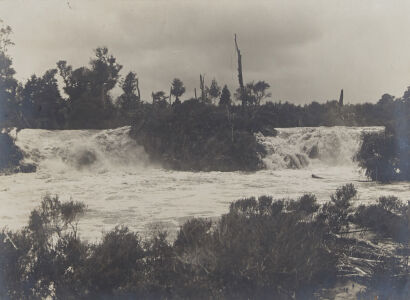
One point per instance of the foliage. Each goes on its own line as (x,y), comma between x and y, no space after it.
(386,156)
(8,84)
(214,90)
(335,214)
(253,93)
(389,217)
(128,101)
(262,248)
(197,136)
(44,257)
(177,88)
(10,154)
(89,101)
(225,99)
(41,103)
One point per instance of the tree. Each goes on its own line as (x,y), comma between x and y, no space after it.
(129,100)
(42,105)
(159,97)
(406,95)
(88,90)
(259,89)
(104,73)
(225,99)
(5,41)
(241,91)
(177,88)
(203,89)
(253,93)
(8,85)
(214,90)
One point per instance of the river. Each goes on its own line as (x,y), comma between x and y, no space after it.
(112,175)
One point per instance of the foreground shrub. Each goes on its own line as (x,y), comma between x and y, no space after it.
(261,249)
(389,217)
(43,258)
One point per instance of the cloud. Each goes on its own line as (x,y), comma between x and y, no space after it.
(307,50)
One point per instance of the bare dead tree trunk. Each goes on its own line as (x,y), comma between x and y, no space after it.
(195,94)
(341,98)
(202,86)
(138,90)
(240,76)
(170,95)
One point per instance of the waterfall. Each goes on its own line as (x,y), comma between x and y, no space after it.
(81,149)
(296,148)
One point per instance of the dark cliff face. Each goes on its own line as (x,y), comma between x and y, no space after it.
(199,137)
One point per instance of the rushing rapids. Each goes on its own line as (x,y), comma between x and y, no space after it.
(296,148)
(108,171)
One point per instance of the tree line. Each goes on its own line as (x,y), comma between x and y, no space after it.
(215,127)
(87,101)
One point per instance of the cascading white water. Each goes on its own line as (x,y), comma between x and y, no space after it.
(99,150)
(96,150)
(296,148)
(109,172)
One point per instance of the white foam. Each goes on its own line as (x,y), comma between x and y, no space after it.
(297,148)
(121,188)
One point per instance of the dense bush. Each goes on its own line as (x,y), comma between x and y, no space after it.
(197,136)
(11,157)
(262,248)
(10,154)
(385,156)
(389,217)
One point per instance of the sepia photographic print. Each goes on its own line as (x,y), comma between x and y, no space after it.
(231,149)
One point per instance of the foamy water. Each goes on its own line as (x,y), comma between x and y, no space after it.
(111,174)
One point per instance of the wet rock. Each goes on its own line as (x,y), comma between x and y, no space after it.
(268,131)
(85,158)
(314,152)
(27,168)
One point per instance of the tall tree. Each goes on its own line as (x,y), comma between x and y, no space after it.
(177,88)
(253,93)
(202,87)
(42,105)
(241,90)
(104,73)
(5,40)
(159,97)
(260,91)
(225,99)
(8,84)
(214,90)
(129,99)
(88,89)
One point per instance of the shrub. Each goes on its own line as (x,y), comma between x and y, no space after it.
(389,218)
(196,136)
(262,248)
(335,214)
(10,154)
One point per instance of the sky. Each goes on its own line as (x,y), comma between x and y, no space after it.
(306,50)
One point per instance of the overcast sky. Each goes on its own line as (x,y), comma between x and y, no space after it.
(306,50)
